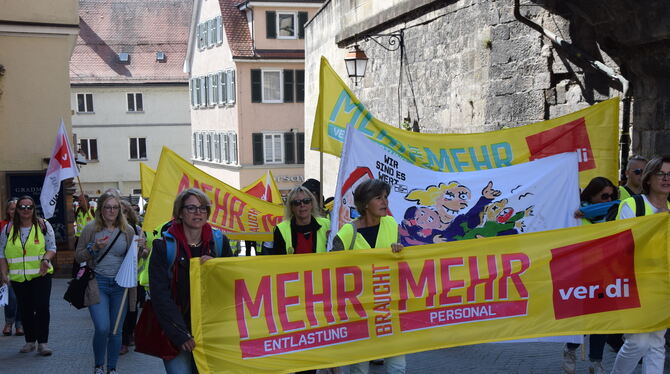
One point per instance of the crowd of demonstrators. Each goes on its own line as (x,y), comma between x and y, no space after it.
(12,312)
(650,346)
(27,246)
(374,228)
(103,245)
(189,236)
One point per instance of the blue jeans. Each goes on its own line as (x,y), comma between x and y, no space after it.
(182,364)
(103,315)
(12,312)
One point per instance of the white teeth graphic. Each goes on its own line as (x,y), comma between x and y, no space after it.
(450,211)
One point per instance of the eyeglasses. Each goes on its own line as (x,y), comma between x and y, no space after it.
(608,196)
(107,207)
(195,208)
(305,201)
(25,207)
(661,175)
(637,171)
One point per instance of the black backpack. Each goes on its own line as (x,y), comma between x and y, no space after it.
(613,211)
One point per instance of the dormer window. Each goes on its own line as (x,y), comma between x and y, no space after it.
(124,57)
(160,57)
(286,25)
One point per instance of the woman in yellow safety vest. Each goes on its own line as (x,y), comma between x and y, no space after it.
(27,246)
(375,228)
(650,345)
(303,230)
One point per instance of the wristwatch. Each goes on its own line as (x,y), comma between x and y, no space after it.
(47,260)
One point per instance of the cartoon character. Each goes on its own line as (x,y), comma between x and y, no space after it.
(420,225)
(497,219)
(348,210)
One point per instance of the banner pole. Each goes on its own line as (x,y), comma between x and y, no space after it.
(82,193)
(118,315)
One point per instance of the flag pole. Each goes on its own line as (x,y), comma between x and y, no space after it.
(118,315)
(82,193)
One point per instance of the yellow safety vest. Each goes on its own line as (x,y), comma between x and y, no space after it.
(623,193)
(82,219)
(387,235)
(321,240)
(648,209)
(24,260)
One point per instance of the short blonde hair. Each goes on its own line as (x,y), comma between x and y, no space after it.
(288,211)
(180,200)
(430,195)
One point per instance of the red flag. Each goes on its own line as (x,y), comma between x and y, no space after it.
(60,168)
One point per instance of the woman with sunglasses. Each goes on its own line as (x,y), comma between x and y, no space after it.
(103,245)
(27,246)
(12,313)
(375,228)
(650,345)
(189,236)
(303,230)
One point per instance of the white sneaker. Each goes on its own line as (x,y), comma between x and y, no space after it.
(99,370)
(596,368)
(569,361)
(28,347)
(44,350)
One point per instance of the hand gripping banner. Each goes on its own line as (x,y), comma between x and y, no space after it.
(279,314)
(592,132)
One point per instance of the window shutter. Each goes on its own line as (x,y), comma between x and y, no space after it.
(224,88)
(233,147)
(289,148)
(288,86)
(139,105)
(219,30)
(256,86)
(93,148)
(257,140)
(300,146)
(299,86)
(271,23)
(302,20)
(89,103)
(231,97)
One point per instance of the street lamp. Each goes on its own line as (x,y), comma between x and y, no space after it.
(356,62)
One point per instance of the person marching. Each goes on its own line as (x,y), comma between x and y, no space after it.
(303,230)
(103,245)
(169,282)
(27,246)
(650,345)
(375,228)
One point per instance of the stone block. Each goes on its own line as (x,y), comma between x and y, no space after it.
(500,32)
(550,96)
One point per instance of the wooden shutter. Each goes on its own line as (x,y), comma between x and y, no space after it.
(231,98)
(288,86)
(300,146)
(271,24)
(256,86)
(302,20)
(289,148)
(299,86)
(257,143)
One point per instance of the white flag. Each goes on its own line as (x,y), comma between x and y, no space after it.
(61,166)
(127,275)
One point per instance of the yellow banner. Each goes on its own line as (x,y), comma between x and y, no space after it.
(147,176)
(592,132)
(238,214)
(265,189)
(279,314)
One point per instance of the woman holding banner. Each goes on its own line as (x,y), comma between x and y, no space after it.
(103,245)
(376,226)
(650,345)
(189,236)
(303,230)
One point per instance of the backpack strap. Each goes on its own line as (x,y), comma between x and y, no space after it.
(218,242)
(639,206)
(630,192)
(171,251)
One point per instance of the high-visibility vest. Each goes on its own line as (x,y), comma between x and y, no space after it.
(387,235)
(285,231)
(648,209)
(82,219)
(24,260)
(625,192)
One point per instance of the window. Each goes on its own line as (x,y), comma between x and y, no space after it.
(203,93)
(222,87)
(278,148)
(214,78)
(276,86)
(285,25)
(273,149)
(196,83)
(208,146)
(272,86)
(201,147)
(135,102)
(217,147)
(85,103)
(138,148)
(90,148)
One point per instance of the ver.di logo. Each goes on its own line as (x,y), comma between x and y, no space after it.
(570,137)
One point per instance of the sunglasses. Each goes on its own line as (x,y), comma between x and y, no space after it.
(303,201)
(25,207)
(195,208)
(607,196)
(637,171)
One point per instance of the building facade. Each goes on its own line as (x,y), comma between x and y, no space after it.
(246,66)
(129,94)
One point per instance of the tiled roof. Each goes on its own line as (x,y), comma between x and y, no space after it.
(138,27)
(236,29)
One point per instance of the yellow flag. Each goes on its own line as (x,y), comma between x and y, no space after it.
(265,189)
(238,214)
(147,176)
(280,314)
(591,132)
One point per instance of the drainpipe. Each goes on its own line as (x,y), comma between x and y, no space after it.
(624,140)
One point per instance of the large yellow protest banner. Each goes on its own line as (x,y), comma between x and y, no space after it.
(288,313)
(239,215)
(591,132)
(147,176)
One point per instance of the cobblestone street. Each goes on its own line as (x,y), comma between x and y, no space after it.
(72,330)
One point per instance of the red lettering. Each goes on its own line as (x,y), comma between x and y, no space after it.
(352,295)
(447,283)
(516,279)
(263,299)
(236,211)
(206,187)
(184,183)
(325,298)
(284,301)
(220,207)
(269,221)
(426,280)
(475,279)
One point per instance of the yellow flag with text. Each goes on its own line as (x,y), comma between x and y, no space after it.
(147,176)
(238,214)
(280,314)
(591,132)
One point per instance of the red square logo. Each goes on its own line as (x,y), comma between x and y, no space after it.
(594,276)
(571,137)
